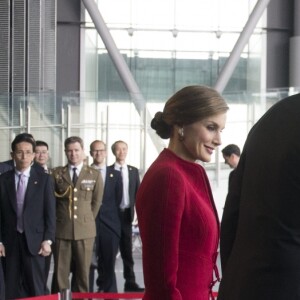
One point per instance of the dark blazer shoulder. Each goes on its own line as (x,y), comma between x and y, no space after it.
(112,169)
(4,167)
(132,168)
(38,172)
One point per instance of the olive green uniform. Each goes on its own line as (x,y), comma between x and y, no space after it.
(76,209)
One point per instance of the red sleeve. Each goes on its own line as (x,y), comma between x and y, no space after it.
(160,204)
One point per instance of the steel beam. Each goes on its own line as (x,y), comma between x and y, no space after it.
(238,48)
(121,67)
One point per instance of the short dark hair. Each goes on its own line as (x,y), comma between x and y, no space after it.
(231,149)
(113,146)
(74,139)
(23,137)
(41,143)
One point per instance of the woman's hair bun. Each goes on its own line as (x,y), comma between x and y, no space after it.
(160,126)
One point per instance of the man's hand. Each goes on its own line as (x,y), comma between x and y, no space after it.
(45,249)
(2,250)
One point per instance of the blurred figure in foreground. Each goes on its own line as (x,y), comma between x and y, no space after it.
(260,242)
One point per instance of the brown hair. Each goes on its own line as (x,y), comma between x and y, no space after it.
(74,139)
(188,105)
(97,141)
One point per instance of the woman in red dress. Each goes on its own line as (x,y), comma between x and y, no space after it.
(177,217)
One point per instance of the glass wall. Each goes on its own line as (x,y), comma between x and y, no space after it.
(53,119)
(166,45)
(170,44)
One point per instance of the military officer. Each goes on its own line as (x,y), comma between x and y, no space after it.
(78,191)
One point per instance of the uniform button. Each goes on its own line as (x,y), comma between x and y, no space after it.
(75,216)
(75,207)
(75,199)
(75,190)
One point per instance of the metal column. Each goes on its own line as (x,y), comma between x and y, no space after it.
(294,80)
(243,39)
(121,66)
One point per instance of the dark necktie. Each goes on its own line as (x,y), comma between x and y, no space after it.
(75,177)
(21,189)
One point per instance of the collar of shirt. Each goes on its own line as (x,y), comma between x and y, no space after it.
(98,167)
(26,172)
(101,169)
(78,167)
(118,166)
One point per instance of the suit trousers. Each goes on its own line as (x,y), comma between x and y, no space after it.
(78,253)
(2,286)
(107,247)
(24,273)
(126,245)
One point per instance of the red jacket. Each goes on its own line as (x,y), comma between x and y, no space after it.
(179,228)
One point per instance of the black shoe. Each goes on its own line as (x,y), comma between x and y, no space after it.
(132,287)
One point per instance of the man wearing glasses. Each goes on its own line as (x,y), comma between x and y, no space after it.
(42,155)
(27,222)
(107,221)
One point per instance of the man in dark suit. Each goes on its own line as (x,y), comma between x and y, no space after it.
(231,154)
(27,226)
(131,182)
(260,227)
(42,155)
(78,191)
(41,158)
(108,220)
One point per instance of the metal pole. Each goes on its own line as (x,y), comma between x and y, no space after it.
(28,118)
(63,135)
(121,65)
(243,39)
(66,294)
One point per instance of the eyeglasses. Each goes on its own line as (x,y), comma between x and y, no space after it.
(23,153)
(41,152)
(98,151)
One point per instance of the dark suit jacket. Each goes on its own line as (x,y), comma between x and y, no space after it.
(260,229)
(4,167)
(134,183)
(39,210)
(112,197)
